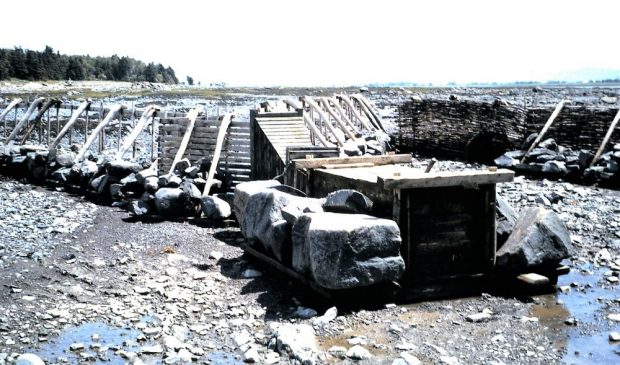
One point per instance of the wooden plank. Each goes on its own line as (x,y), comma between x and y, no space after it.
(418,179)
(377,160)
(348,165)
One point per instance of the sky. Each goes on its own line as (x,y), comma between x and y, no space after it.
(329,42)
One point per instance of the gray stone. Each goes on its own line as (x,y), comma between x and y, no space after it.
(129,179)
(243,192)
(357,352)
(191,190)
(174,182)
(304,313)
(173,202)
(181,166)
(88,168)
(151,184)
(528,141)
(63,174)
(410,359)
(121,168)
(143,174)
(327,317)
(350,148)
(139,207)
(539,239)
(505,161)
(347,201)
(65,159)
(341,251)
(506,218)
(585,157)
(298,340)
(518,154)
(192,171)
(554,167)
(29,359)
(116,191)
(262,220)
(549,144)
(215,208)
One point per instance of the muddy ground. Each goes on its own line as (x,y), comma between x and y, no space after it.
(112,289)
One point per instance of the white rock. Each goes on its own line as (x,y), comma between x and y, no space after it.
(304,313)
(405,346)
(410,359)
(329,316)
(251,273)
(271,357)
(357,340)
(478,317)
(216,255)
(156,349)
(338,351)
(242,338)
(614,317)
(184,355)
(29,359)
(357,352)
(76,346)
(449,360)
(614,336)
(172,343)
(251,355)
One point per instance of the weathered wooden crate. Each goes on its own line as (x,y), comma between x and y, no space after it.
(447,219)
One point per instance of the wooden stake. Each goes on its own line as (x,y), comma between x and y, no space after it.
(555,113)
(192,116)
(135,132)
(25,118)
(67,127)
(5,112)
(610,131)
(48,126)
(97,131)
(216,153)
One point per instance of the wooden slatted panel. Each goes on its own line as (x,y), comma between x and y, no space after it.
(284,132)
(235,156)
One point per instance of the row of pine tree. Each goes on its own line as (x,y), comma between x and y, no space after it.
(49,65)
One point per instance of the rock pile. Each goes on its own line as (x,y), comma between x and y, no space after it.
(131,184)
(336,250)
(554,161)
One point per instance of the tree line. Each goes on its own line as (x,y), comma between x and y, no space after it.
(50,65)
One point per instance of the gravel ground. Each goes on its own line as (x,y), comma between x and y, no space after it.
(119,290)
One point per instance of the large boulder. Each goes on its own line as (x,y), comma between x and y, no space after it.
(261,220)
(342,251)
(506,219)
(539,239)
(215,208)
(347,201)
(243,192)
(173,202)
(121,168)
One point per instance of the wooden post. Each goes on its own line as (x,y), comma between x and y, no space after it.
(86,124)
(97,131)
(57,119)
(49,124)
(133,126)
(554,115)
(120,130)
(610,131)
(102,133)
(147,114)
(5,112)
(24,121)
(192,116)
(153,138)
(70,131)
(216,153)
(69,125)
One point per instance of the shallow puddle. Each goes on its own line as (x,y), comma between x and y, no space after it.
(587,341)
(108,337)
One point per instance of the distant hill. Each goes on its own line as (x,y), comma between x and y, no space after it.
(588,75)
(49,65)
